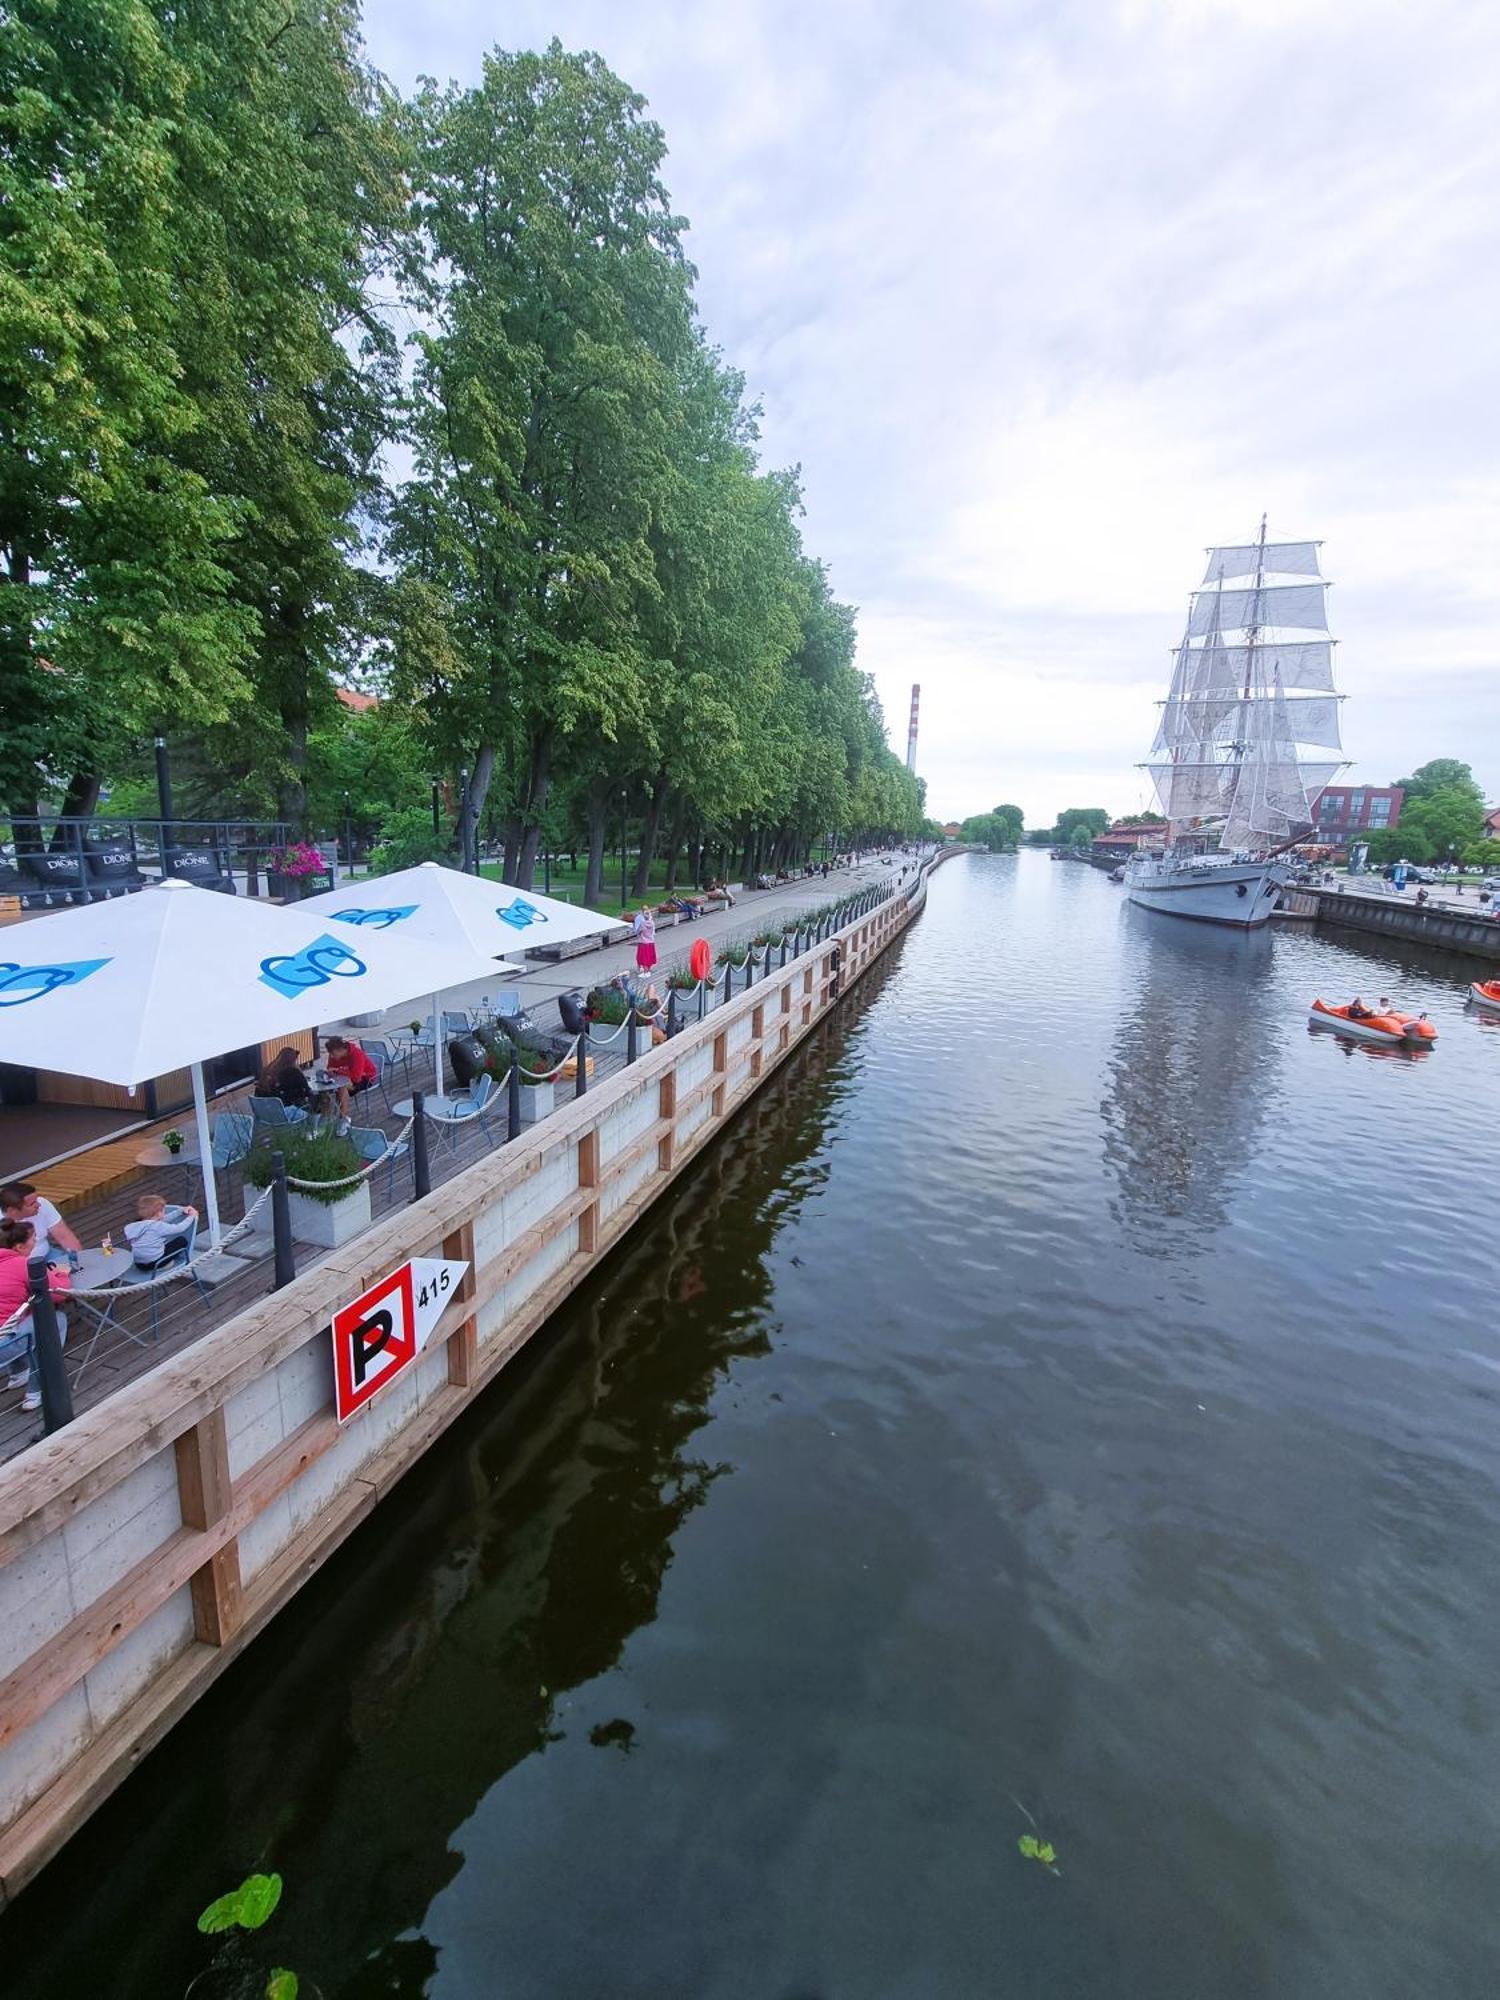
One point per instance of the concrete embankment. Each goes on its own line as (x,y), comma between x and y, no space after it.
(1422,923)
(144,1546)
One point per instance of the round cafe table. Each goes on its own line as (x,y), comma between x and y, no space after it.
(156,1155)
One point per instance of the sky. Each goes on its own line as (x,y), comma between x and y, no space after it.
(1046,296)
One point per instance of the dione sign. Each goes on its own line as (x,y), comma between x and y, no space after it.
(381,1334)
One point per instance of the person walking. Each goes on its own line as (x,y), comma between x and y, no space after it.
(643,930)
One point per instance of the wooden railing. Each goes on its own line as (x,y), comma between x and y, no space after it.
(146,1544)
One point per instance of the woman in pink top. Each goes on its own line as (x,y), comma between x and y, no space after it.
(17,1247)
(643,930)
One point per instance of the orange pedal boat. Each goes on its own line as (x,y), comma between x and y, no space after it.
(1486,993)
(1395,1031)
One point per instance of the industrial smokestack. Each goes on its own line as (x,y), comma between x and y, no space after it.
(911,734)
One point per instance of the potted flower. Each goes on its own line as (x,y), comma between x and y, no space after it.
(292,869)
(336,1206)
(173,1141)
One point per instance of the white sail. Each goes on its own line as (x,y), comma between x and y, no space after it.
(1203,694)
(1268,801)
(1315,719)
(1302,663)
(1191,791)
(1262,559)
(1278,607)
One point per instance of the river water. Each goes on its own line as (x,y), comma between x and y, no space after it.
(1066,1406)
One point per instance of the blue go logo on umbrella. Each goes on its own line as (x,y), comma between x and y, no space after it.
(20,983)
(324,959)
(519,914)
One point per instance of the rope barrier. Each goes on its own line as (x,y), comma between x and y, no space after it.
(143,1283)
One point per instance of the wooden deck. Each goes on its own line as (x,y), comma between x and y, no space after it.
(131,1343)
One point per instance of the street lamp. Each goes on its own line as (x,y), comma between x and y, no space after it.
(624,809)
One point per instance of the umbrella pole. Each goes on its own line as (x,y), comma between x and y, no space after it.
(437,1043)
(206,1156)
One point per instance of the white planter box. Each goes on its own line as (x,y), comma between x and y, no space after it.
(328,1225)
(538,1100)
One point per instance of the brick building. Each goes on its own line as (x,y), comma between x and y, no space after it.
(1345,811)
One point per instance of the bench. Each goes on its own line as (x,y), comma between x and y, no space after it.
(575,947)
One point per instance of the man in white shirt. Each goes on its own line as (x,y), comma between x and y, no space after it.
(20,1201)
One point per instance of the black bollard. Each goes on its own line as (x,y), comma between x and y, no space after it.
(281,1224)
(421,1166)
(630,1037)
(46,1343)
(749,968)
(513,1096)
(728,980)
(702,998)
(581,1052)
(671,1012)
(783,951)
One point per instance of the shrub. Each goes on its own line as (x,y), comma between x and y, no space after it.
(310,1156)
(734,954)
(681,981)
(608,1006)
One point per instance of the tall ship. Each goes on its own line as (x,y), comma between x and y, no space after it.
(1251,709)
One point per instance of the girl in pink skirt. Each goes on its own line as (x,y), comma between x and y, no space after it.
(643,930)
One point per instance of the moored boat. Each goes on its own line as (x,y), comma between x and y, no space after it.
(1485,993)
(1252,692)
(1386,1026)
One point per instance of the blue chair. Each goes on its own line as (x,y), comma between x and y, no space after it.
(178,1253)
(507,1001)
(231,1136)
(465,1110)
(459,1022)
(269,1116)
(372,1144)
(385,1059)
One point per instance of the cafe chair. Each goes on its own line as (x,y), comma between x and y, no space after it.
(270,1116)
(178,1254)
(231,1135)
(372,1144)
(465,1110)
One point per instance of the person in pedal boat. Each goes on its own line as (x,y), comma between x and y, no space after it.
(1358,1011)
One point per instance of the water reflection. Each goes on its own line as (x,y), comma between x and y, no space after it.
(512,1567)
(1190,1074)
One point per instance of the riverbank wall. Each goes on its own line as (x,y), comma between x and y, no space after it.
(143,1547)
(1421,923)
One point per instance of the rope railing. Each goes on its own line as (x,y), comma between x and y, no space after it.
(168,1277)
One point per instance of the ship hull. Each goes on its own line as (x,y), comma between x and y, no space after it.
(1204,890)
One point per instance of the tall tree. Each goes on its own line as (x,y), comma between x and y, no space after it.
(552,279)
(115,599)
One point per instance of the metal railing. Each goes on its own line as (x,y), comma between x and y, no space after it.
(52,860)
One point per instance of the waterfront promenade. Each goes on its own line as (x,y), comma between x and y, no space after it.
(132,1341)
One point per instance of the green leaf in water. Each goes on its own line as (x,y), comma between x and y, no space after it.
(282,1985)
(248,1906)
(1037,1850)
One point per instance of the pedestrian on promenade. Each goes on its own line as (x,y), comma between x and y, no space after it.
(643,930)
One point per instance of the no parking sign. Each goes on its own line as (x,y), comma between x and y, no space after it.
(379,1335)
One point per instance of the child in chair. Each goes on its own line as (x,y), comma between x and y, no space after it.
(160,1222)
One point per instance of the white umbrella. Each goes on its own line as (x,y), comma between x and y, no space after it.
(141,985)
(444,908)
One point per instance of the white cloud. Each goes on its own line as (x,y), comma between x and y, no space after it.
(1044,300)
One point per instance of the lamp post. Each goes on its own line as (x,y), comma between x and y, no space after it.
(437,813)
(348,837)
(163,788)
(463,820)
(624,808)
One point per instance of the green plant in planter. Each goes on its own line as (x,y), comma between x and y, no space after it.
(172,1140)
(764,938)
(681,981)
(309,1156)
(734,954)
(608,1006)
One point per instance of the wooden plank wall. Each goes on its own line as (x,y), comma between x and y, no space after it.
(146,1544)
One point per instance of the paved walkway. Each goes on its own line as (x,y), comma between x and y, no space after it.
(539,981)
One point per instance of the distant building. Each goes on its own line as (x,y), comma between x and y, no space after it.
(1345,810)
(355,701)
(952,830)
(1122,841)
(1492,824)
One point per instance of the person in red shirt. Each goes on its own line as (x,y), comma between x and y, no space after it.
(348,1061)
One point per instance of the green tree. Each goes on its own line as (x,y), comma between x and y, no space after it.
(549,266)
(115,598)
(1088,820)
(1441,774)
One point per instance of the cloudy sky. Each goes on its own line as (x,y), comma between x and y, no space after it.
(1046,295)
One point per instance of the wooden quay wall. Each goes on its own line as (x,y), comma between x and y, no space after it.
(147,1543)
(1476,935)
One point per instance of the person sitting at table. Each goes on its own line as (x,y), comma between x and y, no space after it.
(282,1077)
(20,1202)
(160,1221)
(18,1245)
(354,1070)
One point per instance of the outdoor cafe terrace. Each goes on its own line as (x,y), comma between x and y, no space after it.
(117,1332)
